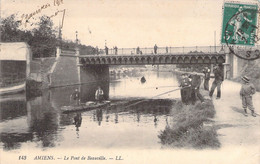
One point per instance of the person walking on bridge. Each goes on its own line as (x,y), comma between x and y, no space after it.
(137,50)
(206,72)
(219,78)
(116,50)
(155,49)
(106,50)
(246,92)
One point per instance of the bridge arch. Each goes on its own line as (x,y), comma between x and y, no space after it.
(155,59)
(109,61)
(98,61)
(180,60)
(186,59)
(206,59)
(143,60)
(167,60)
(103,61)
(173,60)
(220,59)
(161,59)
(137,60)
(149,60)
(193,60)
(131,60)
(92,61)
(213,60)
(120,60)
(200,60)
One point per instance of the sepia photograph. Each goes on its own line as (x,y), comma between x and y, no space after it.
(129,81)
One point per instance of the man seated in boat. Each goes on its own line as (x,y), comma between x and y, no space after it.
(99,95)
(75,97)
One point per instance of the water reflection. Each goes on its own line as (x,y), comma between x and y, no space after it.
(38,122)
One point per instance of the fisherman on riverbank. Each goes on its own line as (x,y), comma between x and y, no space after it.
(246,93)
(219,78)
(195,86)
(75,96)
(99,94)
(185,88)
(206,72)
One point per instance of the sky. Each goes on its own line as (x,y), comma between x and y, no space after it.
(130,23)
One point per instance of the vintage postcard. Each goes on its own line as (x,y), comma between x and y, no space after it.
(129,81)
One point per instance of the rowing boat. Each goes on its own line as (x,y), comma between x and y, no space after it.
(90,105)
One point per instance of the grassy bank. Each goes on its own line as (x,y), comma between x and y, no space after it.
(190,129)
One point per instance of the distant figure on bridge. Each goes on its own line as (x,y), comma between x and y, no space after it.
(206,72)
(116,50)
(246,92)
(185,88)
(155,49)
(97,50)
(99,95)
(75,96)
(106,50)
(137,50)
(219,78)
(166,50)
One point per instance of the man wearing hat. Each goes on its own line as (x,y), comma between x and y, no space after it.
(246,92)
(219,77)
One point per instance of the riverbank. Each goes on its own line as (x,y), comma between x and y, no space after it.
(193,126)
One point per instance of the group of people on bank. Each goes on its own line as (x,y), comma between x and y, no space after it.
(190,85)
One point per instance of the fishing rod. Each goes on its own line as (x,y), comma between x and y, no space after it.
(170,86)
(156,96)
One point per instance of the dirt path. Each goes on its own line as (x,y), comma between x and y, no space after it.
(240,133)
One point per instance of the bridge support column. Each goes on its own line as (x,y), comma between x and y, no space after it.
(235,66)
(227,72)
(94,74)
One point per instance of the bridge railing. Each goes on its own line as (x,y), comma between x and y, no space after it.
(171,50)
(163,50)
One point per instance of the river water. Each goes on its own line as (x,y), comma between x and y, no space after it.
(36,122)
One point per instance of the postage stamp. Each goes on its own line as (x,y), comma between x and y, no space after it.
(239,24)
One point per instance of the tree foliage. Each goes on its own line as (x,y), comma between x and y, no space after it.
(42,39)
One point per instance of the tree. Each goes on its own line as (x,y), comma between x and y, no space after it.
(9,29)
(44,41)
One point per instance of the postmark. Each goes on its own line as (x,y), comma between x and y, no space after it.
(240,29)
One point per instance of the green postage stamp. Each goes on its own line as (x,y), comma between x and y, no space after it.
(239,24)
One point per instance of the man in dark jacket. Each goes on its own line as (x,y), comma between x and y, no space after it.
(206,72)
(219,77)
(195,88)
(185,89)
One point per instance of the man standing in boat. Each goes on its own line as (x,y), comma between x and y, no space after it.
(75,96)
(99,94)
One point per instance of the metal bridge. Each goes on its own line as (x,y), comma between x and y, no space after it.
(149,56)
